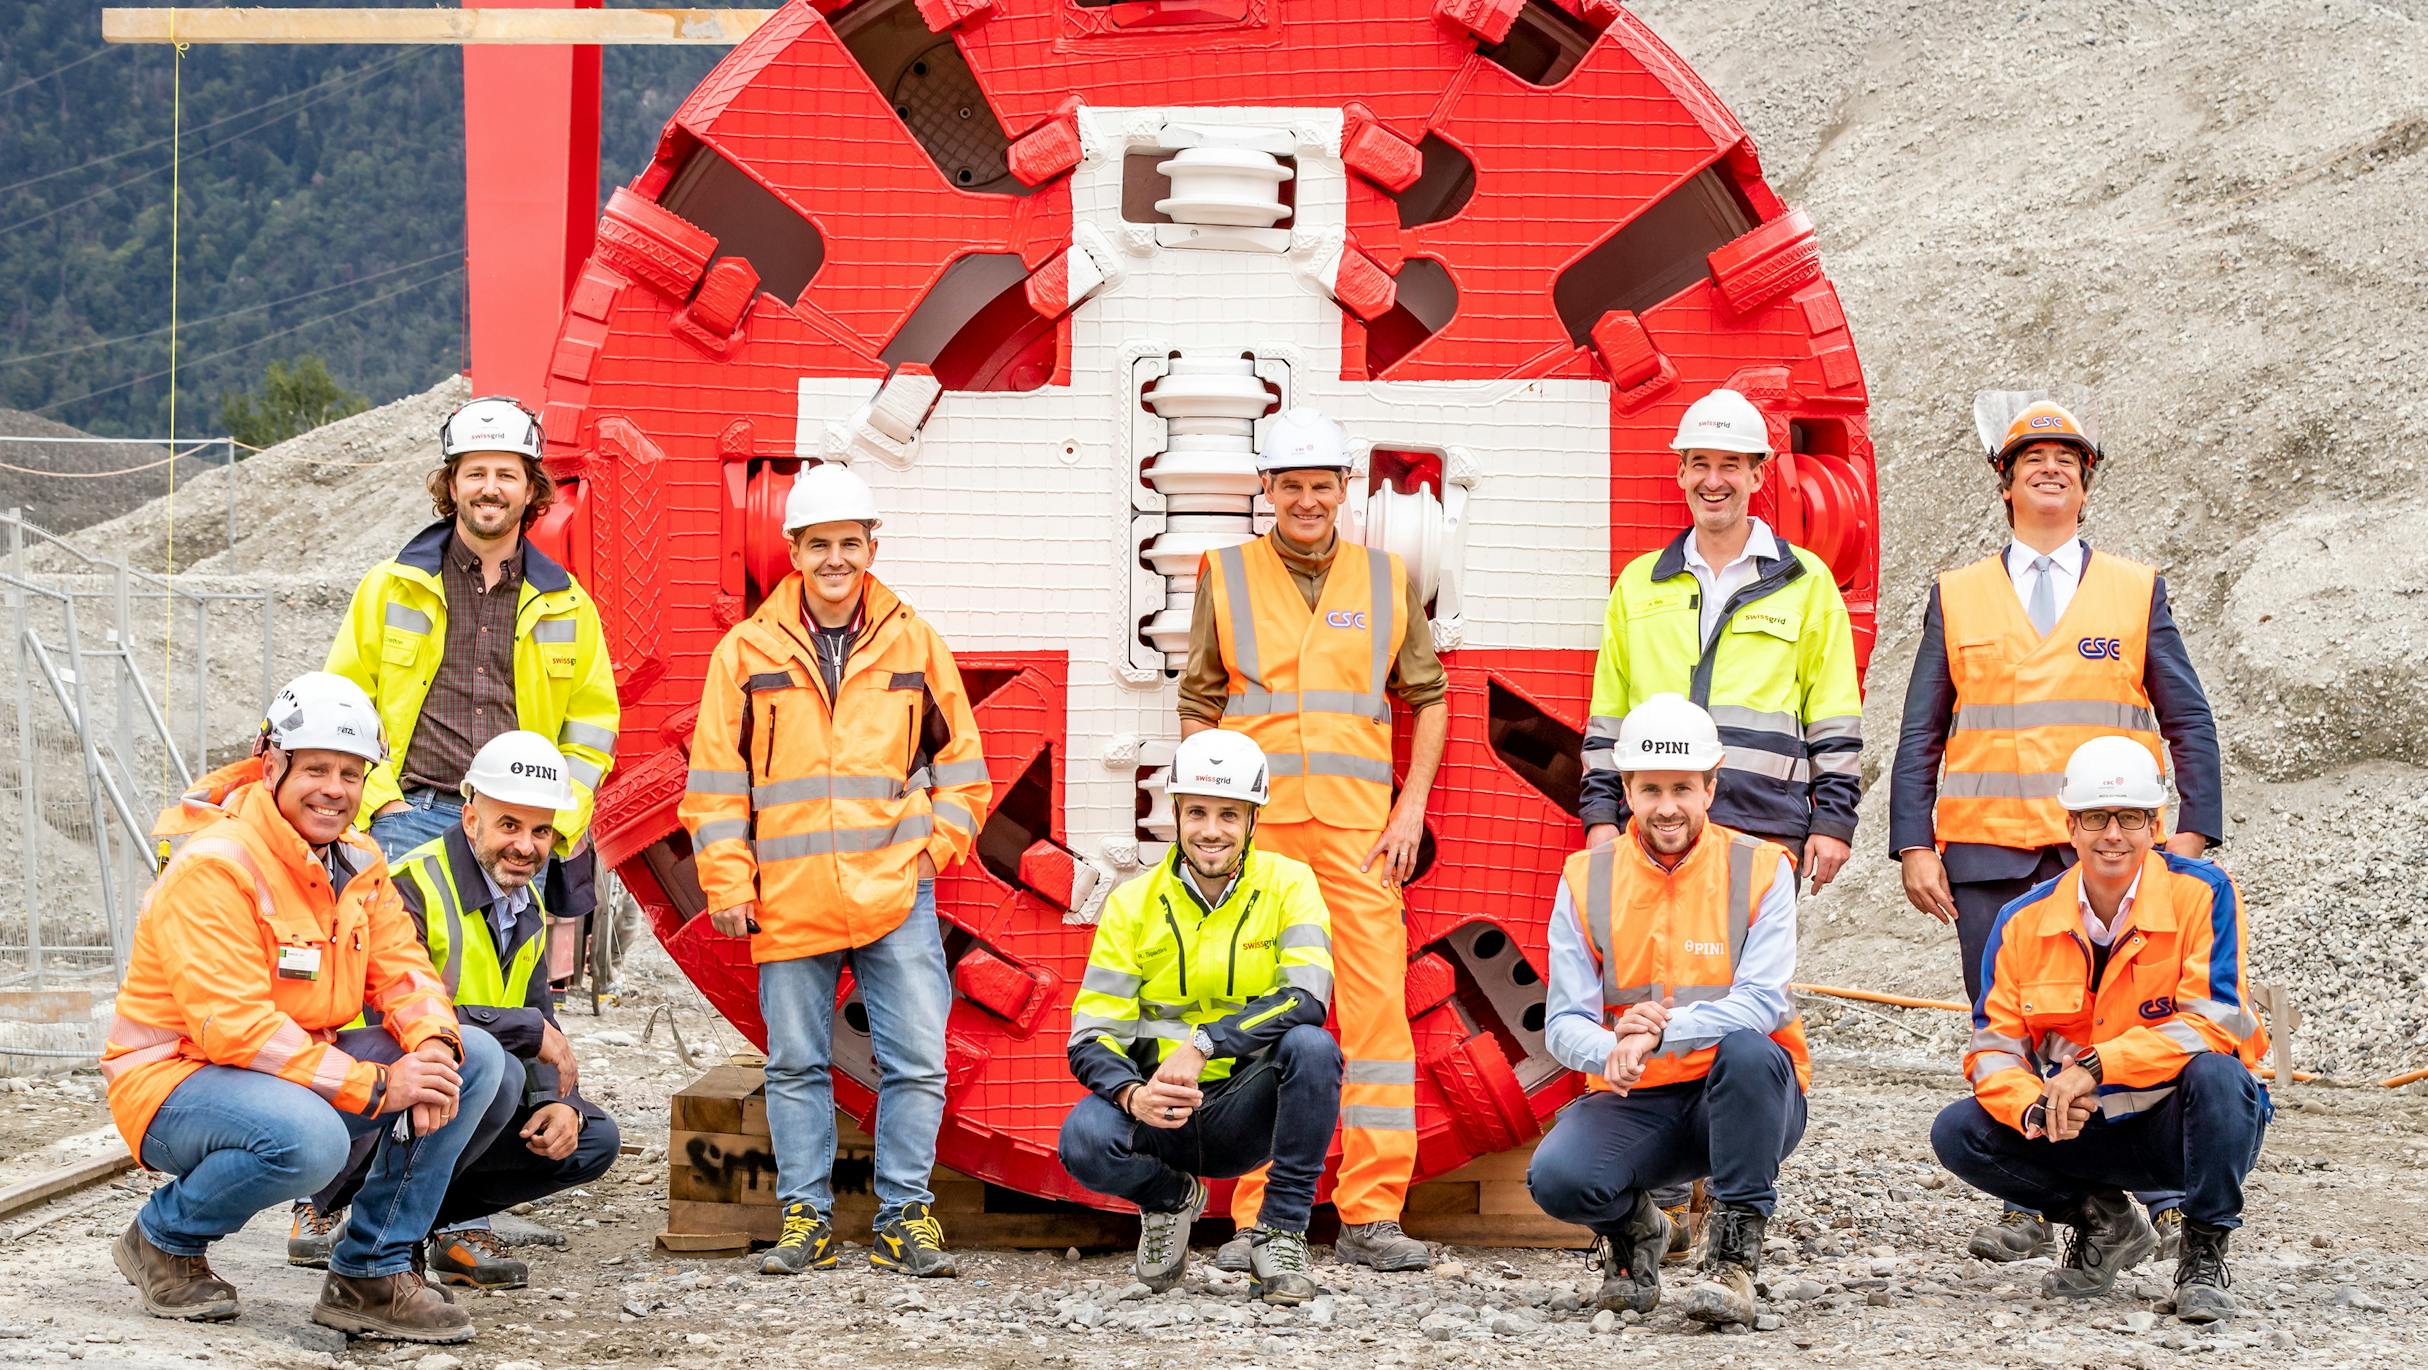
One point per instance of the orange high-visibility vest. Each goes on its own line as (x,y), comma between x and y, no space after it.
(2024,703)
(1677,932)
(1308,684)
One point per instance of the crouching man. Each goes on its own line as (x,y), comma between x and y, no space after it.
(1199,1030)
(474,899)
(270,930)
(1671,952)
(2114,1044)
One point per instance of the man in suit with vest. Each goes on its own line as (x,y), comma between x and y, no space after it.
(2025,655)
(1301,641)
(473,894)
(2114,1044)
(1671,953)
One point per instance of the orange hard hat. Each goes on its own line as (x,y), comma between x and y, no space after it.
(2044,421)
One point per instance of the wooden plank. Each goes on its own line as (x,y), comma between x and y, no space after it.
(1500,1165)
(64,1180)
(1440,1196)
(694,1220)
(1500,1229)
(716,27)
(714,1102)
(1506,1196)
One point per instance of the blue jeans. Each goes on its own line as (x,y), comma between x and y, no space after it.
(908,993)
(1278,1106)
(1735,1125)
(427,813)
(240,1141)
(2203,1139)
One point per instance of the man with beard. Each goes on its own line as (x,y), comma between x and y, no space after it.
(474,899)
(468,633)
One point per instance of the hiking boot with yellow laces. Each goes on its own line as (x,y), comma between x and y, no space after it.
(2018,1235)
(312,1234)
(913,1244)
(475,1258)
(806,1243)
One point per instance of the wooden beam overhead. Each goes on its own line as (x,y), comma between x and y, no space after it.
(453,27)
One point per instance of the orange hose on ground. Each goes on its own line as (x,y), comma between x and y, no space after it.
(1874,997)
(2409,1077)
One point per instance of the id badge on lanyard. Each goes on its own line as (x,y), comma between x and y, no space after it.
(298,963)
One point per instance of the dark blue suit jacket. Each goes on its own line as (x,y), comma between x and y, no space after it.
(2184,721)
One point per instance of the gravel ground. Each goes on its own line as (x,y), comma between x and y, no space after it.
(1864,1264)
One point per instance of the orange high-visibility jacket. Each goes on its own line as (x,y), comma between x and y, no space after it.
(204,985)
(1677,933)
(2024,702)
(2175,986)
(1309,685)
(818,808)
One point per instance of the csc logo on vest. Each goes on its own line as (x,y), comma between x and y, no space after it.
(1345,618)
(2161,1007)
(2101,648)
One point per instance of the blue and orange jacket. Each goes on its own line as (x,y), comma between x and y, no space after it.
(2176,985)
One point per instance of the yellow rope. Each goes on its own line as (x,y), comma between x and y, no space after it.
(168,600)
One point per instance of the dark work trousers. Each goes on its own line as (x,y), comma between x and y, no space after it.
(2203,1138)
(1278,1106)
(1735,1125)
(498,1168)
(1977,906)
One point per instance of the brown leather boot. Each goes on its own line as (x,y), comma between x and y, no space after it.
(172,1286)
(398,1306)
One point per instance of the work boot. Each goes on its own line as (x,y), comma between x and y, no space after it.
(312,1234)
(1685,1225)
(1631,1262)
(1732,1256)
(2018,1235)
(2168,1223)
(399,1307)
(1381,1246)
(913,1244)
(1163,1240)
(1278,1261)
(172,1286)
(806,1243)
(476,1258)
(1235,1254)
(2107,1236)
(2201,1276)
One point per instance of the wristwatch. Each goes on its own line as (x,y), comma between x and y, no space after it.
(1204,1042)
(2089,1060)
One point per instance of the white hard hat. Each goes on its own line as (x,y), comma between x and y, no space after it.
(1722,421)
(1219,765)
(323,711)
(1668,732)
(1300,438)
(493,423)
(2112,773)
(520,768)
(828,492)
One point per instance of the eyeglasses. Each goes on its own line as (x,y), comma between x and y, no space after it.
(2096,820)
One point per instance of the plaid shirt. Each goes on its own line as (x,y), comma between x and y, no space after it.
(471,699)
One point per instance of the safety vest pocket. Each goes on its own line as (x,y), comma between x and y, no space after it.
(557,660)
(1763,621)
(1655,605)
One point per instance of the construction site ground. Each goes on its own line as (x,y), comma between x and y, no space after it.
(1865,1263)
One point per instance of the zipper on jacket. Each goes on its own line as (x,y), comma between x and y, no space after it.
(1180,943)
(1250,1024)
(1230,979)
(1761,587)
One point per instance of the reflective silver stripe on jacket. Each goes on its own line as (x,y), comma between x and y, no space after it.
(700,781)
(946,773)
(2000,784)
(811,788)
(2055,713)
(596,738)
(405,616)
(1087,1027)
(589,773)
(718,830)
(1778,724)
(2127,1102)
(1989,1063)
(1313,981)
(952,812)
(436,880)
(1374,704)
(1243,613)
(1304,935)
(1601,743)
(1794,770)
(1835,728)
(1372,770)
(1119,984)
(2240,1022)
(553,630)
(842,840)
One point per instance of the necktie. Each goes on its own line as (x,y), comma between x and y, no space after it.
(2043,607)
